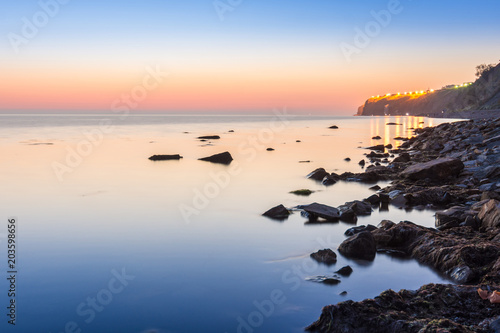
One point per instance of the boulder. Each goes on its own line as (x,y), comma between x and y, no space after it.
(222,158)
(377,148)
(165,157)
(348,216)
(403,158)
(356,230)
(325,256)
(333,127)
(376,137)
(359,246)
(439,169)
(489,215)
(449,218)
(360,208)
(278,213)
(362,163)
(316,210)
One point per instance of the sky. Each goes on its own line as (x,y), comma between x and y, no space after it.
(309,56)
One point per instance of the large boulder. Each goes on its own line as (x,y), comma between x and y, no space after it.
(490,214)
(222,158)
(441,168)
(359,246)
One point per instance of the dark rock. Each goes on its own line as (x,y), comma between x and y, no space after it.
(438,169)
(489,215)
(359,246)
(403,158)
(318,174)
(323,211)
(384,198)
(377,148)
(393,124)
(349,216)
(347,159)
(222,158)
(324,279)
(356,230)
(165,157)
(388,146)
(362,163)
(298,141)
(325,256)
(375,188)
(345,271)
(343,293)
(278,213)
(361,208)
(433,308)
(376,137)
(333,127)
(329,180)
(373,199)
(270,149)
(209,137)
(231,131)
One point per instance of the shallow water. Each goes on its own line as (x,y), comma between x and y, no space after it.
(188,235)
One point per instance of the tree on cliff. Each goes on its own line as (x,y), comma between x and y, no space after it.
(484,70)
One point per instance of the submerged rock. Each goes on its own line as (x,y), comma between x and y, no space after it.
(222,158)
(165,157)
(304,192)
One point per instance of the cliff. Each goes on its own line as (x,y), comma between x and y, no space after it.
(483,94)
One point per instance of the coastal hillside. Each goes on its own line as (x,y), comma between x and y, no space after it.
(483,94)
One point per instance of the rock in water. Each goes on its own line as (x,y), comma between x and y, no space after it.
(165,157)
(438,169)
(278,213)
(326,256)
(333,127)
(316,210)
(359,246)
(318,174)
(209,137)
(223,158)
(345,271)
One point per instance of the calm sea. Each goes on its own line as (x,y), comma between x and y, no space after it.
(109,241)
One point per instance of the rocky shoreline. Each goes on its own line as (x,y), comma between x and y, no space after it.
(455,169)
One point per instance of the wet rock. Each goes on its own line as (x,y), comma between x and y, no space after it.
(278,213)
(222,158)
(361,208)
(333,127)
(375,188)
(318,174)
(438,169)
(348,215)
(356,230)
(329,179)
(462,274)
(270,149)
(489,215)
(377,148)
(393,124)
(403,158)
(373,199)
(165,157)
(450,218)
(347,159)
(319,210)
(362,163)
(208,137)
(376,137)
(325,256)
(345,271)
(359,246)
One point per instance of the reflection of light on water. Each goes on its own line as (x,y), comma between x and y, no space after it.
(431,122)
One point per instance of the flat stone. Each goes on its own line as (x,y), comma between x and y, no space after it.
(438,169)
(327,212)
(165,157)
